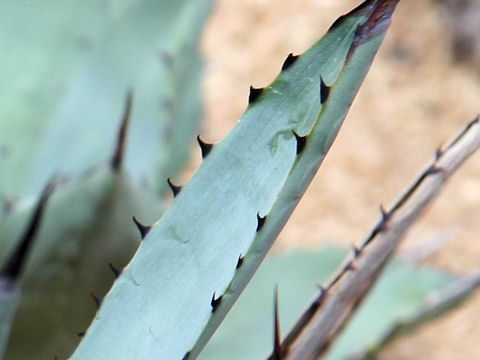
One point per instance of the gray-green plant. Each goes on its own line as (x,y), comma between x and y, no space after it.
(196,257)
(77,62)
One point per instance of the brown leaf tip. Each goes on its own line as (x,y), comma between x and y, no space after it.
(14,264)
(117,159)
(379,14)
(358,11)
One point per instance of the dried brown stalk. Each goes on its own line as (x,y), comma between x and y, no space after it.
(328,313)
(434,306)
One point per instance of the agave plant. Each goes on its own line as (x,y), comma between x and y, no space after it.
(175,282)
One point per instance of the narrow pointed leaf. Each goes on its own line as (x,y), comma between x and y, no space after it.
(87,225)
(162,300)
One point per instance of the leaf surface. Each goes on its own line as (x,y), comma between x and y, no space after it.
(186,274)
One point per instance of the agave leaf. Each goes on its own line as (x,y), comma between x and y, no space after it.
(77,97)
(246,332)
(12,269)
(87,225)
(187,274)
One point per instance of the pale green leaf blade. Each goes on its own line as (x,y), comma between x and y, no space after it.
(167,300)
(86,225)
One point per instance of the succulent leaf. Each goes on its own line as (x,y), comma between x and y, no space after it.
(12,269)
(162,302)
(86,225)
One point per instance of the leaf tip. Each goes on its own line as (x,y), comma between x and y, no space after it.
(379,16)
(13,267)
(118,155)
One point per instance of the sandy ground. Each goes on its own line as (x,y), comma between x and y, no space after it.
(413,100)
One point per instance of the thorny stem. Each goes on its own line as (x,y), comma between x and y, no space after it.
(321,322)
(434,306)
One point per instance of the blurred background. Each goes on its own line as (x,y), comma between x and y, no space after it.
(422,88)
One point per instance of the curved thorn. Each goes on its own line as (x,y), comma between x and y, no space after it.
(144,229)
(301,142)
(289,61)
(215,302)
(356,251)
(175,189)
(98,300)
(186,356)
(438,153)
(239,261)
(323,294)
(118,155)
(434,169)
(205,147)
(385,214)
(254,94)
(351,266)
(260,221)
(114,269)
